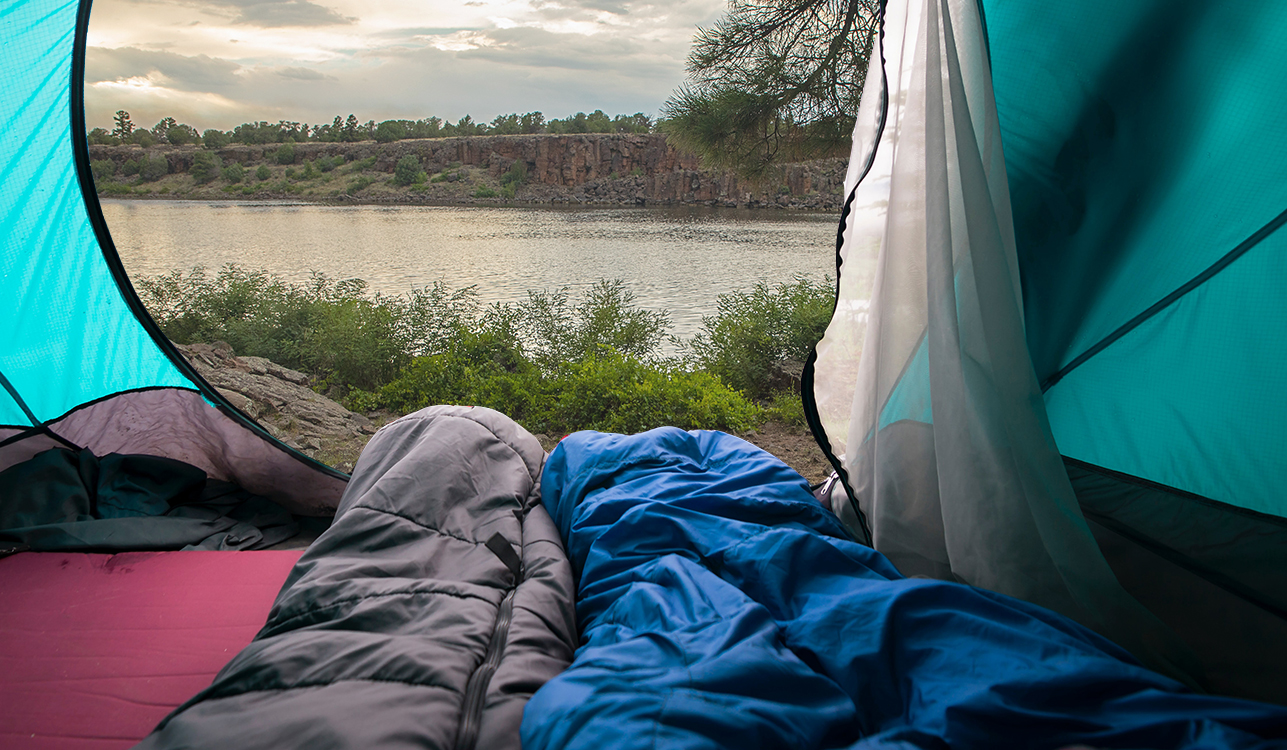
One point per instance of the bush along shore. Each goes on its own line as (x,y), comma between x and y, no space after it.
(591,168)
(553,363)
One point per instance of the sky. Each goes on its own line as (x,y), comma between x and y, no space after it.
(219,63)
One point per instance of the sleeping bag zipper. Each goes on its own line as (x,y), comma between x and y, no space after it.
(476,689)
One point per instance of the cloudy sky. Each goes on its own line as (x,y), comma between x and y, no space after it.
(218,63)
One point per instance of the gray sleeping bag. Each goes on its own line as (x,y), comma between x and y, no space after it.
(435,605)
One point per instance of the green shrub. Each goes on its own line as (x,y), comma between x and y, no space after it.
(787,407)
(156,167)
(618,393)
(235,173)
(100,137)
(434,316)
(326,163)
(611,392)
(328,328)
(476,367)
(285,154)
(103,169)
(516,175)
(408,171)
(263,173)
(606,317)
(485,192)
(358,184)
(205,166)
(116,188)
(130,167)
(753,330)
(181,135)
(439,177)
(361,165)
(389,131)
(215,139)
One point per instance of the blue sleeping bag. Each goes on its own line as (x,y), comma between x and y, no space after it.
(721,606)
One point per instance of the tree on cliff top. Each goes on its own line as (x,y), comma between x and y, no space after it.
(124,127)
(774,81)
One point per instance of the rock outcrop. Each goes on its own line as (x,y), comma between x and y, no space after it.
(279,399)
(563,169)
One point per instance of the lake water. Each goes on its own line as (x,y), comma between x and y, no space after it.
(676,259)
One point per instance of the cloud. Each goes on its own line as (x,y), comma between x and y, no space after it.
(617,7)
(174,71)
(558,57)
(276,13)
(303,74)
(413,32)
(265,13)
(538,48)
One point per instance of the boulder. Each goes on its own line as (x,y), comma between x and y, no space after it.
(279,399)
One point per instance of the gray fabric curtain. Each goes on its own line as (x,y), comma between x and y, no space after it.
(935,413)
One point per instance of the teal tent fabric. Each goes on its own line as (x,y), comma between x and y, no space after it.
(68,336)
(1144,146)
(82,365)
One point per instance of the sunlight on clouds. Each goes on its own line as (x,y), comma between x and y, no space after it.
(459,41)
(386,58)
(136,83)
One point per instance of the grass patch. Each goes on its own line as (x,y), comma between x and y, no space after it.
(360,165)
(358,184)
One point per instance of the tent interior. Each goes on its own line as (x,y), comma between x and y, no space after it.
(1065,387)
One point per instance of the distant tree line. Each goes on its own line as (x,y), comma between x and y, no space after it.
(350,129)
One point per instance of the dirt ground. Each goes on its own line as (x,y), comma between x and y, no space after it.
(795,446)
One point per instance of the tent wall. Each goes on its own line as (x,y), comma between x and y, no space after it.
(1083,292)
(1145,153)
(80,360)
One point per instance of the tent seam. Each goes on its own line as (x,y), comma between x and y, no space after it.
(1211,272)
(1168,489)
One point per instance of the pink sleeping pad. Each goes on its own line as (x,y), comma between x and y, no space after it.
(96,649)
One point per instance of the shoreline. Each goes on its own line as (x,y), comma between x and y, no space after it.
(292,200)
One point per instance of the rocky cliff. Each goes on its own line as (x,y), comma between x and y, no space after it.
(588,168)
